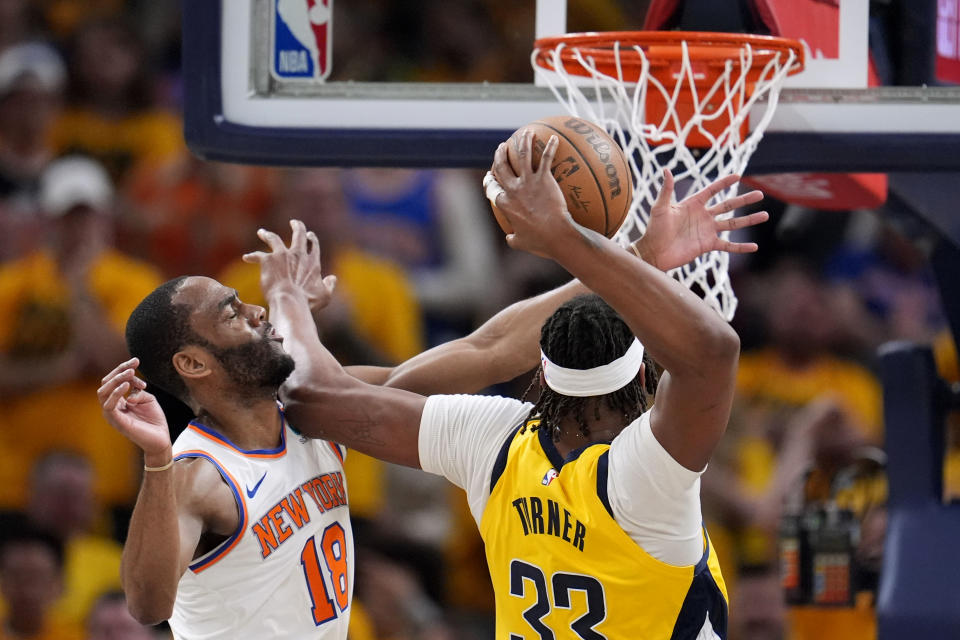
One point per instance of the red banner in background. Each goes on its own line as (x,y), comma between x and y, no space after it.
(948,41)
(827,191)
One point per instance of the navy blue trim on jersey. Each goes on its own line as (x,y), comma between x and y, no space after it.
(211,556)
(701,565)
(553,454)
(501,462)
(703,600)
(603,472)
(254,452)
(548,446)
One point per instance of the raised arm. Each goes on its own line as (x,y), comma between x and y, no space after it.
(697,348)
(507,345)
(320,398)
(501,349)
(163,532)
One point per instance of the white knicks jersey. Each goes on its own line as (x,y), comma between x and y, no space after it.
(287,571)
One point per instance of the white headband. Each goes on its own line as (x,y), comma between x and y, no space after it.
(581,383)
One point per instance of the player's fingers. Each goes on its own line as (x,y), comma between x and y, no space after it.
(735,203)
(313,250)
(737,247)
(502,169)
(298,239)
(137,396)
(491,188)
(130,364)
(110,384)
(743,221)
(525,152)
(666,190)
(271,239)
(113,399)
(716,187)
(549,151)
(330,282)
(255,257)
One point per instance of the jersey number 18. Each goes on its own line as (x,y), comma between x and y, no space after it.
(333,550)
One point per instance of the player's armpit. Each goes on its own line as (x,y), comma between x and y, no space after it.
(174,509)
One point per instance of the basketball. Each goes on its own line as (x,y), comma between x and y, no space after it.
(589,166)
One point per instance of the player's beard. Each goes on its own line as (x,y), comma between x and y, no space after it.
(258,366)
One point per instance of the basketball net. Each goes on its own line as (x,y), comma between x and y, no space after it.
(677,112)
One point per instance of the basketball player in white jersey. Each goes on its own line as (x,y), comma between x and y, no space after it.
(241,527)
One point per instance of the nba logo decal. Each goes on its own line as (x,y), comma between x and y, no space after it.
(302,35)
(548,477)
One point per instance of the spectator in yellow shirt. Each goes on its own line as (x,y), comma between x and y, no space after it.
(32,77)
(62,315)
(110,113)
(795,384)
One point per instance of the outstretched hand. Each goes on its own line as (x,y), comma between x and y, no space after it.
(678,232)
(294,269)
(531,200)
(134,412)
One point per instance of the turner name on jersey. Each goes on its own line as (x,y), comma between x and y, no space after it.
(537,519)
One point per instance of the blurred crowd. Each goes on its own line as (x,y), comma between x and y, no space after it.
(100,202)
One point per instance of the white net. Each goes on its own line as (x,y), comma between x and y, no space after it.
(714,113)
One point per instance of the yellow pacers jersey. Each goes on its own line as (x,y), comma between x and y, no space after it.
(563,568)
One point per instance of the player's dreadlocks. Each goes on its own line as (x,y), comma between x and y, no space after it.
(583,333)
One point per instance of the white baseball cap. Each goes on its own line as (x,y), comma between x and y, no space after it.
(73,181)
(31,62)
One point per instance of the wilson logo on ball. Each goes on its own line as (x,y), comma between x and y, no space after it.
(590,167)
(601,147)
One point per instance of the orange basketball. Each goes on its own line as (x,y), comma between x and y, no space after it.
(589,166)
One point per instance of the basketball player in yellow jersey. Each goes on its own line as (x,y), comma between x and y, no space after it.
(588,501)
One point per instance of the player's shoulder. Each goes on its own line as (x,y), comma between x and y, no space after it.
(198,478)
(479,407)
(478,400)
(202,491)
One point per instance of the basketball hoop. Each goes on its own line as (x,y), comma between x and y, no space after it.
(679,100)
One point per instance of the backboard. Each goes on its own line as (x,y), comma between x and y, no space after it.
(432,83)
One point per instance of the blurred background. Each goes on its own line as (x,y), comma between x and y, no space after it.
(100,201)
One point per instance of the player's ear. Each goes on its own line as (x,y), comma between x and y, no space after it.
(643,375)
(192,362)
(543,379)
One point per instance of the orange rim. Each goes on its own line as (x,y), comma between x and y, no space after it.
(663,50)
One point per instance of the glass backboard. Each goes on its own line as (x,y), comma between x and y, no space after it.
(330,82)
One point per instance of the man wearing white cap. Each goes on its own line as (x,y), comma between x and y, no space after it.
(32,78)
(62,312)
(588,501)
